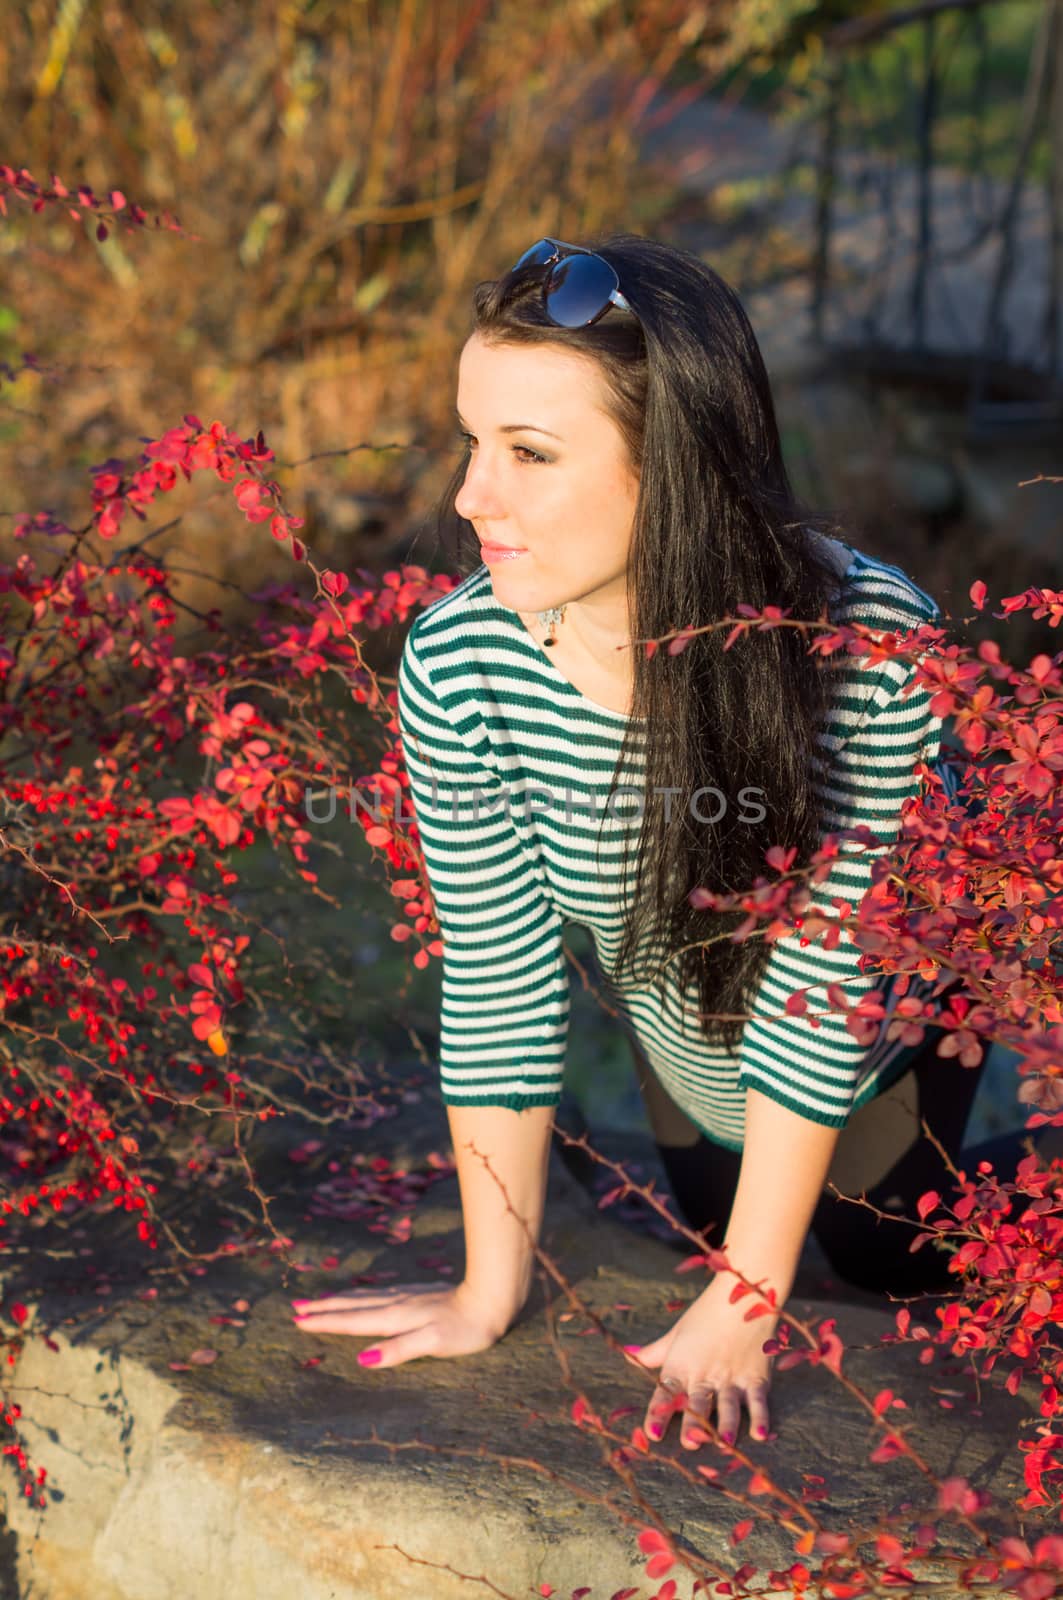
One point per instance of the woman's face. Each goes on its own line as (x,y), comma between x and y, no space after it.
(549,475)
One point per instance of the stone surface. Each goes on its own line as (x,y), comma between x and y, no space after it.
(260,1475)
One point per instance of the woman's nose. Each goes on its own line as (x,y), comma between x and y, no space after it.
(477,496)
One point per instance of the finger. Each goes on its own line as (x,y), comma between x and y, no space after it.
(651,1355)
(340,1321)
(757,1400)
(362,1297)
(338,1302)
(392,1352)
(383,1310)
(728,1413)
(666,1398)
(362,1321)
(404,1347)
(697,1416)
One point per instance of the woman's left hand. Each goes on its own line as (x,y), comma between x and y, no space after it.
(712,1355)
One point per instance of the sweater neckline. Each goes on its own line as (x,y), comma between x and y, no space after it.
(559,676)
(607,711)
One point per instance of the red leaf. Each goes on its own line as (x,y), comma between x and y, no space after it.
(761,1309)
(650,1541)
(827,1543)
(956,1494)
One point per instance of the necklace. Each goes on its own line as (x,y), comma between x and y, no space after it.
(550,619)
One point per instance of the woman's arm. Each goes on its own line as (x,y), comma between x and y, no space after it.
(785,1161)
(713,1356)
(498,1253)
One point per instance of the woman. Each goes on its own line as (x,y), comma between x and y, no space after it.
(623,477)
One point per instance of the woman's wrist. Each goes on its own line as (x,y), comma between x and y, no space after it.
(497,1311)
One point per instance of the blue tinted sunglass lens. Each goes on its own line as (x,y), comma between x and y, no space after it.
(578,290)
(539,253)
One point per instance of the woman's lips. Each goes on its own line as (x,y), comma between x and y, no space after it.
(499,552)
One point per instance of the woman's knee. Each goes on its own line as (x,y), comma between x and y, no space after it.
(874,1253)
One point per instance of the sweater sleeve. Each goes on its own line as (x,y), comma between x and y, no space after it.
(505,988)
(815,1071)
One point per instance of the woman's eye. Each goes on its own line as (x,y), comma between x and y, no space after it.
(521,451)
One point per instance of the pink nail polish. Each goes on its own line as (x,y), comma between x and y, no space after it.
(728,1438)
(298,1303)
(368,1358)
(654,1430)
(762,1433)
(632,1349)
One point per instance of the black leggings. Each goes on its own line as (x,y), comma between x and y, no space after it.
(883,1139)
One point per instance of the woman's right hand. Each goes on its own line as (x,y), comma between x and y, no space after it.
(415,1319)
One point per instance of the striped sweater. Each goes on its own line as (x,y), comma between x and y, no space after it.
(510,769)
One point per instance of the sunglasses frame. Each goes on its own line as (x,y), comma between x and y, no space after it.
(559,251)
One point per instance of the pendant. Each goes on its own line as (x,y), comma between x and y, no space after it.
(550,619)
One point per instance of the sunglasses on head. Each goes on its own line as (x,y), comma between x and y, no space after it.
(579,287)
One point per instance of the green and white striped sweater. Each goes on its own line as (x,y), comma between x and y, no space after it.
(510,768)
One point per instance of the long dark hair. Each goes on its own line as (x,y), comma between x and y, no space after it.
(717,523)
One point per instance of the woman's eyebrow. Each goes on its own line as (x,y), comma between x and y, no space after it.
(517,427)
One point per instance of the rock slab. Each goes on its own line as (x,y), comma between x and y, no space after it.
(261,1475)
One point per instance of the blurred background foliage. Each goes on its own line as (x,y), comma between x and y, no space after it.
(774,54)
(348,170)
(345,171)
